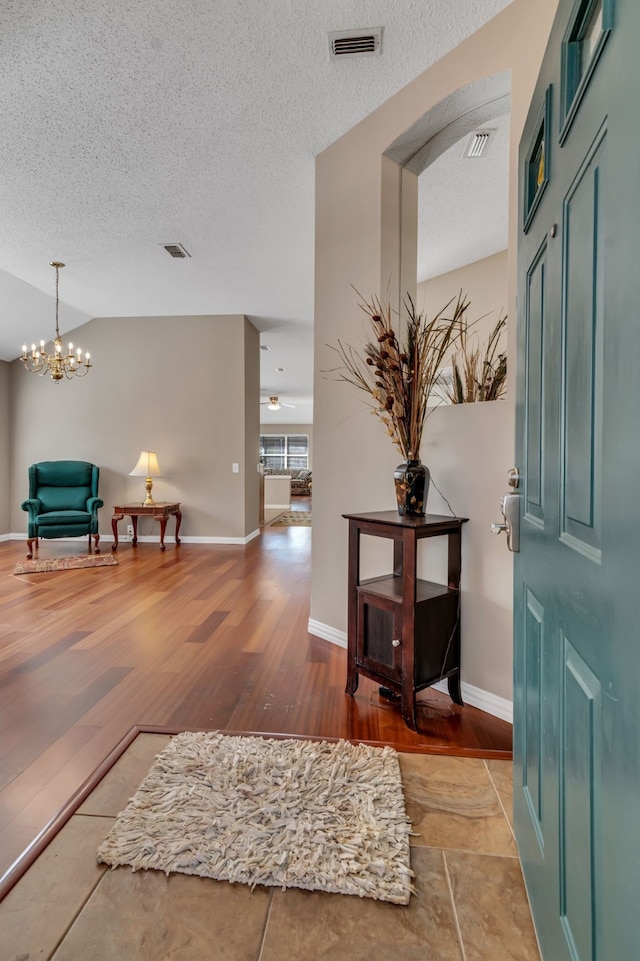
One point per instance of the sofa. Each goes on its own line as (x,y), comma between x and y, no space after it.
(300,479)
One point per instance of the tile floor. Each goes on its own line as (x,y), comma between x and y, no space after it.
(470,906)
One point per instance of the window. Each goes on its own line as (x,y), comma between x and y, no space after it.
(537,162)
(285,451)
(589,27)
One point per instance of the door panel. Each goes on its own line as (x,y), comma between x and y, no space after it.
(581,843)
(577,576)
(535,345)
(582,368)
(532,734)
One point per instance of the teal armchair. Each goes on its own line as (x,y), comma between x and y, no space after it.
(63,501)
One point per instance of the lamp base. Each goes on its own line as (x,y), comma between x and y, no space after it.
(148,501)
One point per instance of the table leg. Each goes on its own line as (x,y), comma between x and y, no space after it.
(352,675)
(134,522)
(408,707)
(352,612)
(455,693)
(178,522)
(163,527)
(114,528)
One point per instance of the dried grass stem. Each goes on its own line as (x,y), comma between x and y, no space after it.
(398,370)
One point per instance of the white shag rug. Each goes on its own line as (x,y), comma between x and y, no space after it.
(287,813)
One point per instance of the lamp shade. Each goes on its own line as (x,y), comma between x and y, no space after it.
(147,465)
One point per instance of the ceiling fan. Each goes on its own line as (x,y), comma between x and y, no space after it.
(274,403)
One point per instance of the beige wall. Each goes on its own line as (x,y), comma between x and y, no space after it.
(357,196)
(251,413)
(468,449)
(5,448)
(291,429)
(485,283)
(195,408)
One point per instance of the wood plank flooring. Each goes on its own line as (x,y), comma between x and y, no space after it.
(199,636)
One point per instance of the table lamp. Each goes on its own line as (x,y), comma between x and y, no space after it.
(147,466)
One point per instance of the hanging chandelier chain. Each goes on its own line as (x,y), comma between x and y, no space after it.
(57,266)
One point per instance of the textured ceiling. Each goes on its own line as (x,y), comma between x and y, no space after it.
(127,125)
(463,204)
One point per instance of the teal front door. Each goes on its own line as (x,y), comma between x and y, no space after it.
(577,576)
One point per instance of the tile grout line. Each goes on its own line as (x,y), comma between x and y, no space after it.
(266,924)
(502,807)
(453,907)
(92,891)
(451,850)
(526,890)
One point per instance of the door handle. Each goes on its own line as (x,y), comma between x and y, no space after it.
(510,510)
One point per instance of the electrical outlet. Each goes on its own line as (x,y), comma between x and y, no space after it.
(130,530)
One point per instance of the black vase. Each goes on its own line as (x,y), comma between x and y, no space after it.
(412,486)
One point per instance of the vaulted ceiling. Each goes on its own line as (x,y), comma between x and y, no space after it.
(130,125)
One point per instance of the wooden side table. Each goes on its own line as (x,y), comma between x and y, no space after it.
(161,511)
(404,632)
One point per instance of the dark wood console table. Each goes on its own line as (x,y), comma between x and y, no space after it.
(161,511)
(404,632)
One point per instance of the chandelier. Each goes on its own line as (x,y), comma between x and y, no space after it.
(53,361)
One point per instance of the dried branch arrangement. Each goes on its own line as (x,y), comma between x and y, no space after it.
(398,370)
(477,374)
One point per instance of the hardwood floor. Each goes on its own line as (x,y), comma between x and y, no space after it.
(210,637)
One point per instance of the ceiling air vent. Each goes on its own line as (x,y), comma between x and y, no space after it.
(478,143)
(176,250)
(346,44)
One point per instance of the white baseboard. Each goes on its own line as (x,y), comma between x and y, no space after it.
(151,539)
(327,633)
(474,696)
(483,700)
(277,507)
(154,539)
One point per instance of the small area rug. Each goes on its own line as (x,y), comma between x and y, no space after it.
(284,813)
(293,519)
(49,564)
